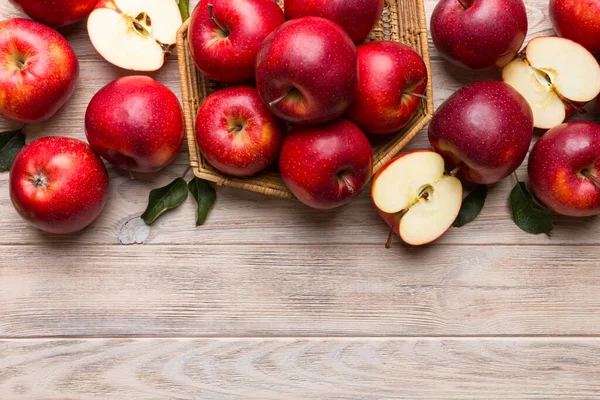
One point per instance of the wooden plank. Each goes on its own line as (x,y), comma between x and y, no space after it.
(223,290)
(328,369)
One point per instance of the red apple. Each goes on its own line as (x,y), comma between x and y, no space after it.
(236,132)
(357,17)
(307,71)
(56,13)
(577,20)
(564,169)
(58,185)
(485,129)
(392,76)
(226,35)
(415,197)
(326,166)
(135,123)
(479,34)
(38,71)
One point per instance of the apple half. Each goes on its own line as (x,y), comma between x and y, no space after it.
(416,197)
(556,76)
(135,34)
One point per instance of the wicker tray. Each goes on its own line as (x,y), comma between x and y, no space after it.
(402,21)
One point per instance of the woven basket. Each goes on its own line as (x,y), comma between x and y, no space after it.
(402,21)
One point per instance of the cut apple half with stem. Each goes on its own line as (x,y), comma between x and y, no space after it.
(416,197)
(135,34)
(556,76)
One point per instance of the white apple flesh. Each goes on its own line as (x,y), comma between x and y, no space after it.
(555,75)
(415,196)
(135,34)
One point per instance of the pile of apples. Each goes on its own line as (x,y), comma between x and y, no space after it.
(482,133)
(307,73)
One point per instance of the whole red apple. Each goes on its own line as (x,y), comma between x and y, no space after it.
(326,166)
(391,78)
(485,129)
(226,35)
(479,34)
(307,71)
(56,13)
(135,123)
(357,17)
(38,71)
(58,185)
(236,132)
(577,20)
(564,169)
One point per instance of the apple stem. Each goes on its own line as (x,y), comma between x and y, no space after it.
(572,104)
(591,177)
(462,3)
(456,170)
(279,99)
(214,20)
(234,129)
(421,96)
(344,178)
(388,243)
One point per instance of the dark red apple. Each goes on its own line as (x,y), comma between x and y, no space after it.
(328,165)
(577,20)
(564,169)
(236,132)
(226,35)
(485,129)
(56,13)
(392,76)
(135,123)
(307,71)
(357,17)
(58,185)
(38,71)
(479,34)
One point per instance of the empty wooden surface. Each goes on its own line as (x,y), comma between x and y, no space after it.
(271,300)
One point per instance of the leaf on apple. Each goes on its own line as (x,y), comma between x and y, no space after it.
(471,206)
(164,199)
(184,9)
(205,196)
(527,213)
(10,144)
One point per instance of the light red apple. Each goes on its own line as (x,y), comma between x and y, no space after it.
(135,123)
(226,35)
(479,34)
(484,130)
(415,197)
(307,71)
(577,20)
(58,185)
(556,76)
(236,132)
(137,35)
(357,17)
(56,13)
(38,71)
(564,169)
(326,166)
(392,82)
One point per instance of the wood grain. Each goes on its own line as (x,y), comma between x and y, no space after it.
(295,369)
(246,290)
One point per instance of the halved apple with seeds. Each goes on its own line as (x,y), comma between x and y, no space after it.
(416,197)
(135,34)
(556,76)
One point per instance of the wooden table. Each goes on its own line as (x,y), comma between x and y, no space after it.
(272,300)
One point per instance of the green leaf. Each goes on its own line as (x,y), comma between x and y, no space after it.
(165,198)
(184,9)
(471,206)
(10,144)
(205,196)
(529,215)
